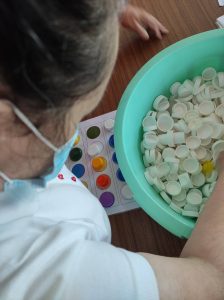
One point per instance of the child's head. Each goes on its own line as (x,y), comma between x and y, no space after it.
(56,57)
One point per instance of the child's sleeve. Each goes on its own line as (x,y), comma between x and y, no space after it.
(110,273)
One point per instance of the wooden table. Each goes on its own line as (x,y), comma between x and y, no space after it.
(135,230)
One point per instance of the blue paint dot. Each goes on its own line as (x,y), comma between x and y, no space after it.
(78,170)
(111,141)
(120,175)
(114,158)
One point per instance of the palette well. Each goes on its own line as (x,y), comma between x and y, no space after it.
(93,160)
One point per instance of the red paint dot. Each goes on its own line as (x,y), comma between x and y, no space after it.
(103,182)
(73,178)
(60,176)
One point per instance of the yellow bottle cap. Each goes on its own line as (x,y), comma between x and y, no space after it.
(99,163)
(207,167)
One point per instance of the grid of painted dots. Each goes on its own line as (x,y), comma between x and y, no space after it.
(97,160)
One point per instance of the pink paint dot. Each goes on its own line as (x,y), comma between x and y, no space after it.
(60,176)
(73,178)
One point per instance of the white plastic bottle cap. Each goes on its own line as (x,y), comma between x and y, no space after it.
(172,177)
(149,178)
(221,79)
(150,155)
(191,165)
(179,138)
(179,203)
(193,142)
(142,147)
(163,169)
(174,88)
(201,208)
(188,84)
(209,74)
(173,188)
(152,113)
(184,91)
(206,190)
(150,141)
(206,142)
(146,163)
(218,146)
(190,213)
(174,167)
(200,153)
(95,149)
(161,103)
(179,126)
(165,123)
(205,131)
(213,177)
(181,197)
(185,181)
(164,139)
(217,94)
(182,151)
(192,114)
(159,184)
(189,207)
(158,157)
(176,208)
(195,124)
(126,192)
(179,110)
(189,105)
(152,170)
(197,84)
(160,113)
(198,180)
(194,198)
(168,152)
(165,197)
(149,123)
(219,111)
(205,108)
(109,124)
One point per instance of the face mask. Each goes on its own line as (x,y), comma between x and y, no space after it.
(60,157)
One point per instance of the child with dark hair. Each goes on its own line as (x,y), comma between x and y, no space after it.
(56,58)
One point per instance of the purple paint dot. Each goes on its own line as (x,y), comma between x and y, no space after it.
(107,199)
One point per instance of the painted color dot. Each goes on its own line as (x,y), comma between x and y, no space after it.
(93,132)
(85,184)
(77,140)
(99,163)
(114,158)
(103,182)
(126,193)
(120,175)
(107,199)
(111,141)
(75,154)
(78,170)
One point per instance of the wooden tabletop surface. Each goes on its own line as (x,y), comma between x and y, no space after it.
(135,230)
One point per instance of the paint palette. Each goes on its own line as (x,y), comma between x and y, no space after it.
(93,160)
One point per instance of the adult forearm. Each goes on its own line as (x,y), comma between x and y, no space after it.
(207,239)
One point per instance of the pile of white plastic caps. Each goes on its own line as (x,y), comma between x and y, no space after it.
(182,138)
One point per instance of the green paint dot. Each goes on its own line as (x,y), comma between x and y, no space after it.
(75,154)
(93,132)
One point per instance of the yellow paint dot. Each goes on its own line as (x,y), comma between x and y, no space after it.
(85,184)
(77,140)
(207,167)
(99,163)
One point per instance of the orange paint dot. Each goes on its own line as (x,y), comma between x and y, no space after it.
(99,163)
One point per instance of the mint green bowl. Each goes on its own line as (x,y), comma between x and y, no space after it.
(183,60)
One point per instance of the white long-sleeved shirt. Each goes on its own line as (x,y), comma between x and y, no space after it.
(55,245)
